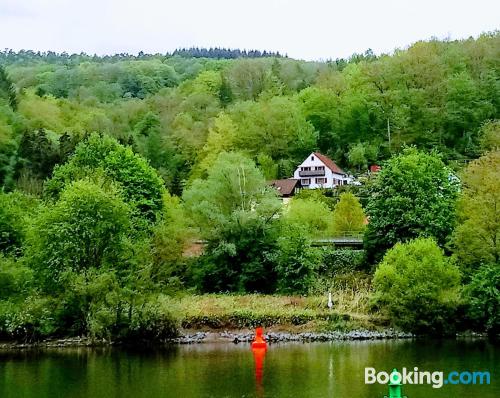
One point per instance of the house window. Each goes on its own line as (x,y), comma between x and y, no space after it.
(306,168)
(320,180)
(320,167)
(312,157)
(306,181)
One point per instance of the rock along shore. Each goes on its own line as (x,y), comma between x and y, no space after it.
(281,337)
(214,337)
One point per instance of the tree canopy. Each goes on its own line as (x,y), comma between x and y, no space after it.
(412,196)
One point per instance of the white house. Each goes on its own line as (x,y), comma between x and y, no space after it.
(319,171)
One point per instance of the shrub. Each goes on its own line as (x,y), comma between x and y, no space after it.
(418,287)
(483,299)
(296,260)
(30,320)
(152,321)
(15,278)
(340,261)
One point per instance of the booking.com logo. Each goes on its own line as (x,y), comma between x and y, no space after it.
(437,378)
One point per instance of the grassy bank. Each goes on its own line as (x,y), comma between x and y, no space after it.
(291,313)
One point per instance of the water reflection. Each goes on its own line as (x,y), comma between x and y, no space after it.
(232,371)
(258,356)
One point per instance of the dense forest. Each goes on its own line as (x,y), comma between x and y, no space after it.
(110,167)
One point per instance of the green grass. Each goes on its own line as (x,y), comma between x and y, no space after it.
(291,313)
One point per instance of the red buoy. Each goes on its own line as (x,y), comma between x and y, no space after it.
(259,341)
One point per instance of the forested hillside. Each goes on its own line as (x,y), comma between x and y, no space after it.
(113,169)
(180,112)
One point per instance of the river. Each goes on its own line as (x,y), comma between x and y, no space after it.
(332,369)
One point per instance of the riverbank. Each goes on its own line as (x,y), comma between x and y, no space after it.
(293,314)
(234,337)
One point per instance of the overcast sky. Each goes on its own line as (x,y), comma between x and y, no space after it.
(307,29)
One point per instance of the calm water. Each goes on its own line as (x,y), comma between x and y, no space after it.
(225,370)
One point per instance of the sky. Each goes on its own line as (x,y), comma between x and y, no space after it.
(303,29)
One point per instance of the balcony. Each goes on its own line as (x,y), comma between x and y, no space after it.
(311,173)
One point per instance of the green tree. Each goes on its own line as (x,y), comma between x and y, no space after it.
(297,261)
(418,287)
(142,186)
(476,239)
(490,136)
(170,238)
(348,215)
(273,127)
(86,228)
(7,89)
(235,211)
(357,156)
(312,215)
(413,195)
(268,166)
(15,210)
(482,296)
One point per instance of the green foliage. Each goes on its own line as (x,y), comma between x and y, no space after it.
(476,239)
(85,228)
(297,261)
(418,287)
(14,209)
(348,216)
(340,261)
(15,278)
(234,190)
(273,127)
(7,89)
(170,238)
(108,238)
(234,210)
(313,216)
(240,259)
(29,320)
(482,296)
(413,195)
(142,187)
(357,156)
(490,136)
(322,195)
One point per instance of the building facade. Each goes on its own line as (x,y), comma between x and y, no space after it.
(319,171)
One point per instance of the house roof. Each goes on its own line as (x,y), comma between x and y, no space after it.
(329,163)
(284,187)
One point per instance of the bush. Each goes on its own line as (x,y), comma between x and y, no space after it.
(341,261)
(482,296)
(242,261)
(15,278)
(418,287)
(30,320)
(152,321)
(296,260)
